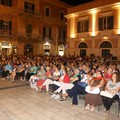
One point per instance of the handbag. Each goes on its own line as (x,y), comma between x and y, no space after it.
(82,84)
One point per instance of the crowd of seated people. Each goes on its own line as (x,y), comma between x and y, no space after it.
(67,77)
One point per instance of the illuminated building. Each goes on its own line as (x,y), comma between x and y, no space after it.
(26,26)
(94,28)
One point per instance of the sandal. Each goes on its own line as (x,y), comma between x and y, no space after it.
(39,90)
(63,99)
(92,109)
(87,108)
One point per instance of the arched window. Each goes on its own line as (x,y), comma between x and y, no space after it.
(82,45)
(106,44)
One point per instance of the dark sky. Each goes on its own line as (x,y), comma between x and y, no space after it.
(76,2)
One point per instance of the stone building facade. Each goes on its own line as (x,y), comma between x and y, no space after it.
(32,27)
(94,29)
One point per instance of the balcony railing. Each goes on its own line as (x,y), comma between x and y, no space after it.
(61,39)
(29,35)
(47,38)
(105,32)
(82,34)
(5,33)
(29,12)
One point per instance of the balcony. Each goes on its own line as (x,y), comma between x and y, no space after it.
(47,38)
(6,33)
(105,32)
(29,12)
(29,35)
(82,34)
(61,41)
(22,36)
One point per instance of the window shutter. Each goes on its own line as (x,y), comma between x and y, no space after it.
(33,7)
(10,3)
(110,22)
(44,32)
(100,24)
(50,33)
(86,26)
(25,5)
(3,2)
(1,24)
(47,11)
(64,35)
(10,25)
(78,27)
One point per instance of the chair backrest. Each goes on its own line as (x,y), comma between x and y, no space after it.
(119,94)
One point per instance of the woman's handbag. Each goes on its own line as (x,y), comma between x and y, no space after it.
(82,84)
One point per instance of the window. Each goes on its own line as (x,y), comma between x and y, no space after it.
(28,30)
(82,45)
(62,35)
(105,53)
(5,27)
(82,53)
(46,32)
(105,44)
(61,16)
(82,26)
(6,2)
(106,23)
(29,7)
(47,12)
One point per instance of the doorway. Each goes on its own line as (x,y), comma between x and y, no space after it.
(105,53)
(47,51)
(82,53)
(5,51)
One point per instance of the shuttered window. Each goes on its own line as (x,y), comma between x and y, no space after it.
(106,23)
(6,2)
(28,30)
(29,7)
(62,35)
(46,32)
(47,12)
(5,25)
(83,26)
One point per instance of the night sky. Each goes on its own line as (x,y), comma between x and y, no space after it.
(76,2)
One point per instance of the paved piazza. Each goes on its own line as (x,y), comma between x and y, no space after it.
(23,103)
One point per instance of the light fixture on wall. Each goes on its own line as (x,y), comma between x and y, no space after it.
(105,37)
(82,39)
(72,35)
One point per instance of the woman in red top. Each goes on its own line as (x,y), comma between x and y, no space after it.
(108,75)
(64,83)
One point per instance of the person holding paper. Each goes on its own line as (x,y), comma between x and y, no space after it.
(112,88)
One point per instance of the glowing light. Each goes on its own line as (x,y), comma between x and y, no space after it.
(93,12)
(72,32)
(119,20)
(117,6)
(47,43)
(82,39)
(72,35)
(105,37)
